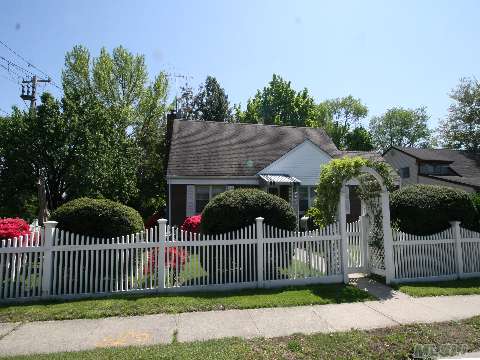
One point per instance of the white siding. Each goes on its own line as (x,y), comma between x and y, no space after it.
(398,160)
(302,162)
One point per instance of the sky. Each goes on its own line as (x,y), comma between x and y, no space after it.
(387,53)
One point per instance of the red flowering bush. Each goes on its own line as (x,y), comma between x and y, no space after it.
(13,228)
(192,224)
(174,257)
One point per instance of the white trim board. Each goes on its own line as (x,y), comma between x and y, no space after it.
(193,180)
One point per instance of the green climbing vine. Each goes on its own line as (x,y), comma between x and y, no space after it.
(332,177)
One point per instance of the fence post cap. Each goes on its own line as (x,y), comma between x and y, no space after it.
(51,223)
(259,218)
(162,221)
(453,223)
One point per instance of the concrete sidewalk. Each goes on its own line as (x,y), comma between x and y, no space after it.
(74,335)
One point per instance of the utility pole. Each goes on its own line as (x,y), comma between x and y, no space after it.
(31,95)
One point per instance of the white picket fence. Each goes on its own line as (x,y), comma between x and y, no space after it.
(51,263)
(450,254)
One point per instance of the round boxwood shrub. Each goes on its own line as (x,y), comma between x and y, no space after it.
(97,217)
(428,209)
(235,209)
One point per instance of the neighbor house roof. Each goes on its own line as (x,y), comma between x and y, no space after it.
(464,163)
(207,148)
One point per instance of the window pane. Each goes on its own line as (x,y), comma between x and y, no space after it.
(405,172)
(202,192)
(313,195)
(202,196)
(302,198)
(217,189)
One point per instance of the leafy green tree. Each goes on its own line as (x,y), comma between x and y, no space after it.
(344,113)
(278,103)
(42,144)
(400,127)
(461,129)
(211,103)
(124,114)
(359,139)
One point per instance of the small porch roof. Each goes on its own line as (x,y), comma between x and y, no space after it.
(278,179)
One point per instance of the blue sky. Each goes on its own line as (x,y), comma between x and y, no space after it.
(388,53)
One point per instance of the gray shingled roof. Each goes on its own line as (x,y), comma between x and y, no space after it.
(465,163)
(206,148)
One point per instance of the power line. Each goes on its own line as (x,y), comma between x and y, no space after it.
(30,64)
(22,58)
(10,79)
(11,63)
(11,71)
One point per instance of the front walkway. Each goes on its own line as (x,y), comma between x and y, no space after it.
(74,335)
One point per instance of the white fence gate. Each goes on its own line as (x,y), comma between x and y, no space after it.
(51,263)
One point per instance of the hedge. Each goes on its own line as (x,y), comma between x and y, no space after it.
(97,217)
(428,209)
(235,209)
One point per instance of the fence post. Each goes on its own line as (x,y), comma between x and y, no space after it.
(387,237)
(364,237)
(49,234)
(343,232)
(259,222)
(162,238)
(458,248)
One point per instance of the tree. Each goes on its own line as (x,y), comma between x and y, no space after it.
(278,103)
(400,127)
(39,144)
(104,139)
(359,140)
(125,113)
(461,129)
(343,113)
(210,103)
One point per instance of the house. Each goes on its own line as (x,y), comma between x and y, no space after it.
(206,158)
(454,168)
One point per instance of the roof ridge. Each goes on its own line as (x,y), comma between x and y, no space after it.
(252,124)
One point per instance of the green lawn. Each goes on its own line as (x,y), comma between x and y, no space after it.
(128,305)
(392,343)
(442,288)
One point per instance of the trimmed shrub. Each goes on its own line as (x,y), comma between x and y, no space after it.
(235,209)
(476,200)
(428,209)
(97,217)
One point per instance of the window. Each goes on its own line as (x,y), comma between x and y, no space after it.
(435,169)
(405,172)
(306,197)
(204,193)
(202,197)
(303,199)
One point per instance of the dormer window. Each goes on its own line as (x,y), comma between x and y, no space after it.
(435,169)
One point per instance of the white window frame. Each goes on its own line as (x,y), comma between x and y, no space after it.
(210,192)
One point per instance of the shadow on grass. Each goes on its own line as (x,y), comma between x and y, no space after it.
(330,293)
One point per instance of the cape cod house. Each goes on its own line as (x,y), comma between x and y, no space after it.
(206,158)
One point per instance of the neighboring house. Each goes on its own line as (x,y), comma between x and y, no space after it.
(454,168)
(207,158)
